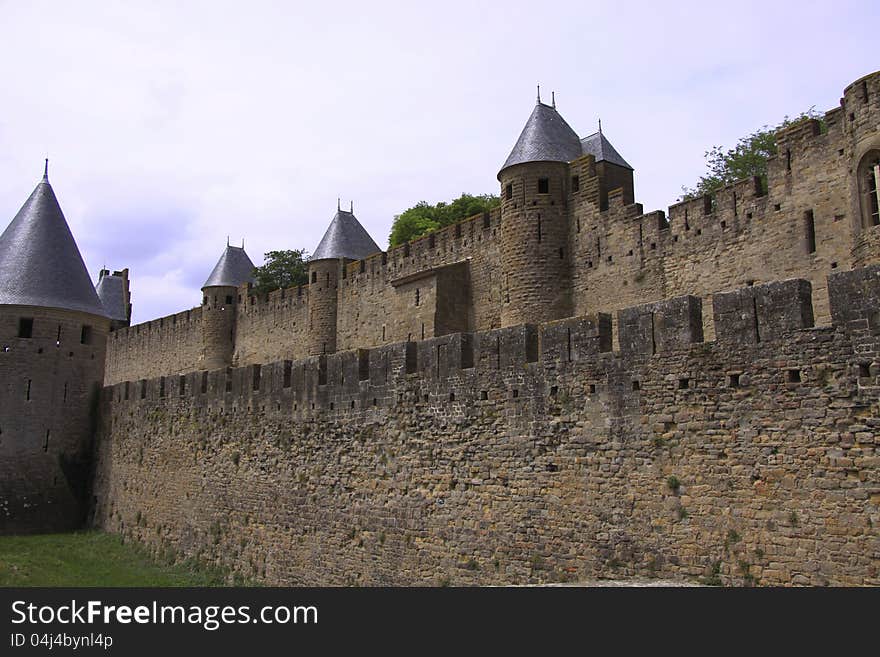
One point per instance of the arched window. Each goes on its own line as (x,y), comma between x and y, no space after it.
(869,188)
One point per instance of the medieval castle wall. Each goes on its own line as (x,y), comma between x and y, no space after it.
(446,281)
(273,327)
(582,247)
(478,415)
(166,345)
(532,453)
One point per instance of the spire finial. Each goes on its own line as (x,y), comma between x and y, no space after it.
(338,204)
(539,93)
(600,126)
(352,208)
(227,240)
(242,243)
(553,97)
(46,170)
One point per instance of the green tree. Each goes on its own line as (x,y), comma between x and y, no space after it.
(282,269)
(745,160)
(423,218)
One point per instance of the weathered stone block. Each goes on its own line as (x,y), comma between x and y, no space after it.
(439,357)
(570,340)
(855,297)
(507,347)
(763,312)
(661,326)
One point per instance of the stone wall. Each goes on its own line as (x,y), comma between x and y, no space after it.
(271,327)
(527,454)
(377,296)
(743,235)
(168,345)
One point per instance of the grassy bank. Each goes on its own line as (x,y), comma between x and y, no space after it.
(92,559)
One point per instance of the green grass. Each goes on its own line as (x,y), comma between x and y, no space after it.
(92,559)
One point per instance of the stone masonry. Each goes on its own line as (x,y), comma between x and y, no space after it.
(528,454)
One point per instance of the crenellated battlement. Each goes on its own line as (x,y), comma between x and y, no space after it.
(183,320)
(367,380)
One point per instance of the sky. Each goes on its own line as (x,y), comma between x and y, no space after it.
(172,125)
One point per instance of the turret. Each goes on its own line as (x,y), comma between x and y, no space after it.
(537,182)
(113,291)
(344,241)
(612,170)
(535,256)
(53,332)
(220,304)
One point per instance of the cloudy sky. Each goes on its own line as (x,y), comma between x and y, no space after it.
(170,125)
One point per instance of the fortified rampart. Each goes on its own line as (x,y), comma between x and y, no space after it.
(165,345)
(532,453)
(567,240)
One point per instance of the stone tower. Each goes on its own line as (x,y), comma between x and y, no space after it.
(219,306)
(53,333)
(344,241)
(535,258)
(537,183)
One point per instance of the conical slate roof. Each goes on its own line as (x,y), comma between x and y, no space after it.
(546,137)
(233,269)
(345,238)
(111,292)
(40,264)
(600,148)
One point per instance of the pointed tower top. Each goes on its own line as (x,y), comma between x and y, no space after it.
(46,171)
(233,268)
(539,94)
(345,238)
(40,264)
(546,137)
(553,99)
(598,146)
(351,207)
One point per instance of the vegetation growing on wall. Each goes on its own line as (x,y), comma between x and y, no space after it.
(281,269)
(745,160)
(422,218)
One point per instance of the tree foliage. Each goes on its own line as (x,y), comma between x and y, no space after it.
(423,218)
(745,160)
(282,269)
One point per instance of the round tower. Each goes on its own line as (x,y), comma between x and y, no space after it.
(535,259)
(344,241)
(324,278)
(53,333)
(220,306)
